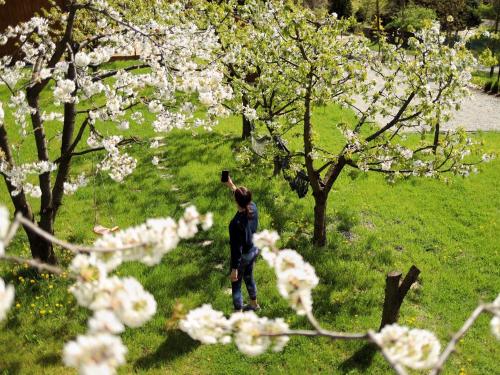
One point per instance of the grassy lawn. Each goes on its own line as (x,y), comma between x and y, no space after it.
(449,231)
(480,78)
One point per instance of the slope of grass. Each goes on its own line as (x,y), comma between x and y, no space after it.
(449,231)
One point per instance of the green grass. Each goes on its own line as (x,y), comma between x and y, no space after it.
(449,231)
(480,78)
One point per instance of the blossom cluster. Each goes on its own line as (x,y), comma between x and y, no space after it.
(176,70)
(253,335)
(495,322)
(71,187)
(6,298)
(296,277)
(121,302)
(118,164)
(18,174)
(414,348)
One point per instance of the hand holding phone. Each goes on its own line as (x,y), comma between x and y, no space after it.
(224,176)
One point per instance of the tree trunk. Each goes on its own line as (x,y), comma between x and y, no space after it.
(247,128)
(40,248)
(395,292)
(319,238)
(277,166)
(247,124)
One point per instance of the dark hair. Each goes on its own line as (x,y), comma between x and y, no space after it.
(243,197)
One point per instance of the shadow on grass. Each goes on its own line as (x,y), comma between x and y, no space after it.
(10,369)
(360,360)
(177,344)
(51,359)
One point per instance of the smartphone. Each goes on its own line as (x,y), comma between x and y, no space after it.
(225,176)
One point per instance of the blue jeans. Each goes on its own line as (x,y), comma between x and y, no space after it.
(245,272)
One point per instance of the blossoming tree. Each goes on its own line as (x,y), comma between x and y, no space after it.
(306,59)
(85,98)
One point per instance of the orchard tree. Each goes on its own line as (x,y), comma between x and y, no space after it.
(312,60)
(465,13)
(343,8)
(61,79)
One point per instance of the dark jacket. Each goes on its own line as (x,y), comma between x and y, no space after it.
(241,230)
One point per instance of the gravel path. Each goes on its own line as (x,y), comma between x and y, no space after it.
(479,112)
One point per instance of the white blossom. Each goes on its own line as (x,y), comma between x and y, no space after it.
(4,222)
(206,325)
(250,333)
(207,221)
(250,113)
(105,321)
(87,268)
(133,305)
(296,279)
(495,326)
(64,90)
(6,298)
(2,114)
(416,348)
(265,239)
(82,60)
(98,353)
(71,187)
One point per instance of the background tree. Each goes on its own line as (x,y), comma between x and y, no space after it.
(343,8)
(99,105)
(491,10)
(465,13)
(319,63)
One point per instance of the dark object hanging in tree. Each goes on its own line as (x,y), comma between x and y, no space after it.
(300,183)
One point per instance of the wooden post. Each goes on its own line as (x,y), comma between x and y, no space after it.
(395,292)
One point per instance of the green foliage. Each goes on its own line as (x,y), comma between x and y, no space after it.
(412,18)
(490,10)
(465,13)
(486,58)
(343,8)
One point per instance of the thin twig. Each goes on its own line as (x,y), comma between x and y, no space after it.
(322,333)
(33,263)
(450,348)
(73,248)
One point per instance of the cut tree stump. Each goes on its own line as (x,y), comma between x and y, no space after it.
(395,292)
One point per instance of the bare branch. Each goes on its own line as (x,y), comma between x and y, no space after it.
(450,348)
(33,263)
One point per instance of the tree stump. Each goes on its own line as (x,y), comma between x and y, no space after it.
(395,292)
